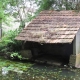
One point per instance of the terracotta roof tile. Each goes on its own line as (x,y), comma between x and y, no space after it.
(52,27)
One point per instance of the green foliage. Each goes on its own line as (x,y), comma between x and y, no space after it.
(5,12)
(16,9)
(68,5)
(48,5)
(8,42)
(3,15)
(15,2)
(13,65)
(78,6)
(29,17)
(15,55)
(44,4)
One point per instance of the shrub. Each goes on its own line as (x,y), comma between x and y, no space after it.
(15,55)
(8,42)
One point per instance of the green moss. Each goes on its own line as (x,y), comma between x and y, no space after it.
(28,71)
(12,65)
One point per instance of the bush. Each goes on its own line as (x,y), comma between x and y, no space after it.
(9,44)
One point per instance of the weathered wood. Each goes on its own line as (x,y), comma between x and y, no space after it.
(52,27)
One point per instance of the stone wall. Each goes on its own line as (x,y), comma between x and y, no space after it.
(72,60)
(75,60)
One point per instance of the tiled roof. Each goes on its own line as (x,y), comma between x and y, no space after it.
(52,27)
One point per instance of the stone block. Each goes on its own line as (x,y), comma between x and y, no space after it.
(26,54)
(75,60)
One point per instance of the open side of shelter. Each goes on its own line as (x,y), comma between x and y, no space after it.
(54,33)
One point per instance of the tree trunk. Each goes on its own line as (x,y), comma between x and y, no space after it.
(0,28)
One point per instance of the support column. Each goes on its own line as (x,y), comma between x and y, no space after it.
(75,57)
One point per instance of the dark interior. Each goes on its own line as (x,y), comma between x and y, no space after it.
(59,52)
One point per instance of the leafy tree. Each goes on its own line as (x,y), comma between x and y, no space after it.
(3,4)
(15,8)
(20,11)
(57,5)
(2,9)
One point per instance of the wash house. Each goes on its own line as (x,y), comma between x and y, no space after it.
(54,32)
